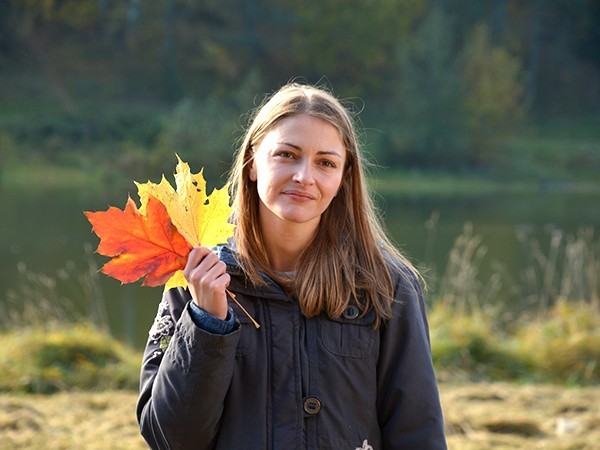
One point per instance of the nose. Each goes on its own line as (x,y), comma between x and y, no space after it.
(303,173)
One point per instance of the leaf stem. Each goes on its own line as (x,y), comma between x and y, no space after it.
(232,295)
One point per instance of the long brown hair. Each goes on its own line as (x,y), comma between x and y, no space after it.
(350,256)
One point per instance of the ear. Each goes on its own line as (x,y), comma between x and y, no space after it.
(252,172)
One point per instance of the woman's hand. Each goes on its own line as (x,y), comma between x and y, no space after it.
(207,281)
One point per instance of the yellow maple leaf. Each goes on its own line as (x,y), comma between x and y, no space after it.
(178,279)
(201,219)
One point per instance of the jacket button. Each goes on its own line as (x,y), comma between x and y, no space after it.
(351,312)
(312,405)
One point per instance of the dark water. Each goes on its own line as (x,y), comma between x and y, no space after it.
(45,232)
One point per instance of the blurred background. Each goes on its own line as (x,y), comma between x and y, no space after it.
(482,120)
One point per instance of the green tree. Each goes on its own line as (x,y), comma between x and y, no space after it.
(203,132)
(73,14)
(350,43)
(494,87)
(426,126)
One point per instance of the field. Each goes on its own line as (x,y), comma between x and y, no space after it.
(510,416)
(478,416)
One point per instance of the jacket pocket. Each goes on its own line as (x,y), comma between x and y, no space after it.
(349,335)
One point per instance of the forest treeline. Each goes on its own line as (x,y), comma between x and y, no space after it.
(439,83)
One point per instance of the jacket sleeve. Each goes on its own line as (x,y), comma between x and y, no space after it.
(408,404)
(185,376)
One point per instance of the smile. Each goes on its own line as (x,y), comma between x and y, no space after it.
(298,195)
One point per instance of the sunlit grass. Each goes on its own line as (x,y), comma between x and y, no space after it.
(471,347)
(563,346)
(478,416)
(70,420)
(491,416)
(557,339)
(48,345)
(72,357)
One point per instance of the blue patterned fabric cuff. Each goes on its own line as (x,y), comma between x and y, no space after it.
(210,323)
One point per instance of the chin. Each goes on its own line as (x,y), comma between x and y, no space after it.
(298,218)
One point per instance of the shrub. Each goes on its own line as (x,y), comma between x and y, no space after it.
(564,344)
(470,346)
(72,356)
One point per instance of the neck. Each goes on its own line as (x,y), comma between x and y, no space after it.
(285,243)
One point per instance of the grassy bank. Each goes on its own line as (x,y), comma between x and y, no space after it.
(51,358)
(479,416)
(386,182)
(561,345)
(556,338)
(390,183)
(82,420)
(46,350)
(51,176)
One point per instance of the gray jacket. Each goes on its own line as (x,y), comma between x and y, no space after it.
(294,383)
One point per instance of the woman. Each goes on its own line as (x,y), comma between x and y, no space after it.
(342,357)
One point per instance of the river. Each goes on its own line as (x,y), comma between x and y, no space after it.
(47,243)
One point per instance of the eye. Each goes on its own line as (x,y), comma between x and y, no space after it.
(284,154)
(328,163)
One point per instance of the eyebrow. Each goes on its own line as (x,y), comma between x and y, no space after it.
(323,152)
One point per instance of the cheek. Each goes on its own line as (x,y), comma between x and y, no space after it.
(264,186)
(270,177)
(336,187)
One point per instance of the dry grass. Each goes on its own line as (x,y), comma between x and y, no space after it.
(478,416)
(509,416)
(95,421)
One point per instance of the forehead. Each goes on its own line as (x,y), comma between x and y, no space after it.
(304,129)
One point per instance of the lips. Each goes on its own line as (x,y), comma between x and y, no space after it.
(299,195)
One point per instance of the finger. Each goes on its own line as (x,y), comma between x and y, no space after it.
(209,269)
(209,261)
(194,258)
(219,284)
(208,289)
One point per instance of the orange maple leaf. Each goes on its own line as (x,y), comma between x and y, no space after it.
(140,245)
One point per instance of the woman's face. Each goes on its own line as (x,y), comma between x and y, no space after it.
(298,168)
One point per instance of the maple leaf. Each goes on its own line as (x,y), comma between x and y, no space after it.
(140,245)
(201,219)
(155,241)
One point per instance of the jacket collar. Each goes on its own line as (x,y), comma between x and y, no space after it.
(226,253)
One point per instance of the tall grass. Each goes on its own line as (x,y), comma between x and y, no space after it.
(556,338)
(568,270)
(45,301)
